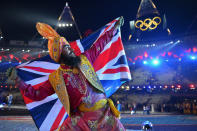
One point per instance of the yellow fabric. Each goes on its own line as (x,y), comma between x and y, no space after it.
(55,42)
(46,31)
(74,70)
(88,71)
(98,105)
(57,81)
(113,108)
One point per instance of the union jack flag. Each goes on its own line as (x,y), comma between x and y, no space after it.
(111,67)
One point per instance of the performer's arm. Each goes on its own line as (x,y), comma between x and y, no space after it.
(84,45)
(35,94)
(99,45)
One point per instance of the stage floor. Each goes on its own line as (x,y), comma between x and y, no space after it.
(161,122)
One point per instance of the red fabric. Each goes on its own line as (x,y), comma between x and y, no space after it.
(75,47)
(100,120)
(36,94)
(75,96)
(98,46)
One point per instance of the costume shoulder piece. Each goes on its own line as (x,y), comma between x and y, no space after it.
(88,71)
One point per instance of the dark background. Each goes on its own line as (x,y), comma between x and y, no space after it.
(18,18)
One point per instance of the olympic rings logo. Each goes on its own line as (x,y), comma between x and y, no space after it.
(148,23)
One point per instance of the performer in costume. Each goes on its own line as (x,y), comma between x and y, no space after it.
(76,83)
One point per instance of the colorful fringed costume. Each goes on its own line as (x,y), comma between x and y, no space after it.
(78,89)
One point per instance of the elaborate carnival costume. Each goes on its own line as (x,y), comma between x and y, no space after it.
(78,89)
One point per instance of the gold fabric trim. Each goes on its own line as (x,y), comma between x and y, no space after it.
(98,105)
(57,81)
(88,71)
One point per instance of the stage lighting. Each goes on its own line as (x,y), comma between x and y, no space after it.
(147,126)
(145,62)
(63,25)
(155,62)
(193,57)
(179,86)
(60,25)
(191,86)
(127,88)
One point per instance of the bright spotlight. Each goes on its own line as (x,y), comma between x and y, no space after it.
(193,57)
(145,62)
(63,25)
(171,42)
(60,25)
(71,24)
(155,62)
(178,41)
(67,25)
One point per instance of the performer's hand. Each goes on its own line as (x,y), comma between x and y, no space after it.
(119,23)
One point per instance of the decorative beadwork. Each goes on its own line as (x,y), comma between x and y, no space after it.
(93,124)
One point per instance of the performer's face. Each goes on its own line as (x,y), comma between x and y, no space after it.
(68,57)
(68,51)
